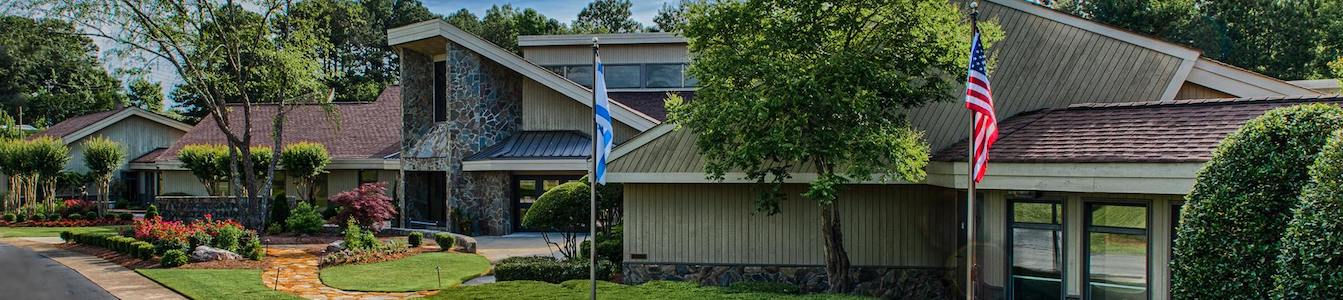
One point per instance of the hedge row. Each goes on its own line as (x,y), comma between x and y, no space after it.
(548,269)
(120,244)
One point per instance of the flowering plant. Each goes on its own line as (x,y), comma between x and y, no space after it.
(156,229)
(73,206)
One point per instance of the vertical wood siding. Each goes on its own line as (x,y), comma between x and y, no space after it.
(611,54)
(1191,90)
(546,109)
(888,225)
(138,135)
(1043,64)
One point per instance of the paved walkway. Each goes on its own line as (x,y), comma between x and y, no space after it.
(297,271)
(118,281)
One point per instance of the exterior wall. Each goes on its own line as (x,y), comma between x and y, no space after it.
(175,182)
(182,182)
(611,54)
(1191,90)
(138,135)
(994,228)
(546,109)
(485,107)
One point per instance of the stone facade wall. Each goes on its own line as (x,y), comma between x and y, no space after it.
(884,282)
(484,107)
(189,208)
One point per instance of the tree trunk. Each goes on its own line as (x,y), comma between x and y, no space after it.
(836,259)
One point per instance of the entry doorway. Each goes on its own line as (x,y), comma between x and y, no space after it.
(528,188)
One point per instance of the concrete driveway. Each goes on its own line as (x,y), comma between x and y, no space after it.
(28,275)
(496,248)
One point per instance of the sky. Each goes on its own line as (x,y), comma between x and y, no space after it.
(563,10)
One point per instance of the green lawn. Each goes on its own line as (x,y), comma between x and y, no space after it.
(10,232)
(578,289)
(415,273)
(215,283)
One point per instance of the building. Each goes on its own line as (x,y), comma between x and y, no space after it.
(362,143)
(1101,138)
(487,131)
(138,130)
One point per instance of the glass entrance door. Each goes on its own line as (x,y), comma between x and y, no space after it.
(1037,249)
(1116,251)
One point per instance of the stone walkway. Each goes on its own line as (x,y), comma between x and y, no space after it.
(297,270)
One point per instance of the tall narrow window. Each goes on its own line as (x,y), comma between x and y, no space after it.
(1037,249)
(1116,247)
(440,91)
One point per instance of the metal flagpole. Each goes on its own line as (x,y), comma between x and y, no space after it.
(970,179)
(592,182)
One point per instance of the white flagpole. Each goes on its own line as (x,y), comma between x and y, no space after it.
(970,180)
(592,182)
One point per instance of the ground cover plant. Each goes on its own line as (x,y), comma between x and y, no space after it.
(414,273)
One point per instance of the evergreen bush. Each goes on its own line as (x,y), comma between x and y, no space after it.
(1242,201)
(305,219)
(173,258)
(415,239)
(444,240)
(1310,265)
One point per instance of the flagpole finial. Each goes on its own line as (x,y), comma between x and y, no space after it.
(974,7)
(594,42)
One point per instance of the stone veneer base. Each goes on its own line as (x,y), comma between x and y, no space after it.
(884,282)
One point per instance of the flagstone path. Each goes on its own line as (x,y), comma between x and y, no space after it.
(297,272)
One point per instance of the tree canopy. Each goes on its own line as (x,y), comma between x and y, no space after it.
(821,86)
(52,72)
(607,16)
(503,24)
(146,94)
(1289,40)
(671,17)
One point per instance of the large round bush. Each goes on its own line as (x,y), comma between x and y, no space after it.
(1310,265)
(1242,201)
(564,208)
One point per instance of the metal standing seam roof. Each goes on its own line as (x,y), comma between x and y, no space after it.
(539,145)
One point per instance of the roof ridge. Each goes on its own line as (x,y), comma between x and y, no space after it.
(1202,101)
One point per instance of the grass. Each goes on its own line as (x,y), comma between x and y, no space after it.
(415,273)
(215,283)
(12,232)
(578,289)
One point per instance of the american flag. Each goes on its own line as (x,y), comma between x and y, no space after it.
(979,99)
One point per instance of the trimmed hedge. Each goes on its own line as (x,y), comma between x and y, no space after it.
(1242,201)
(415,239)
(120,244)
(548,269)
(1310,261)
(444,240)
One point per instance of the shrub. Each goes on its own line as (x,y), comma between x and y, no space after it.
(279,211)
(368,204)
(304,219)
(415,239)
(54,217)
(1242,201)
(9,217)
(227,238)
(1309,263)
(209,163)
(444,240)
(173,258)
(76,206)
(330,211)
(548,269)
(38,217)
(763,287)
(66,236)
(357,238)
(275,228)
(609,246)
(563,209)
(126,216)
(76,216)
(144,250)
(251,246)
(20,218)
(304,161)
(380,252)
(151,211)
(200,238)
(163,246)
(91,216)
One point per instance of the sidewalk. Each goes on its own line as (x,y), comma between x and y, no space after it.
(117,280)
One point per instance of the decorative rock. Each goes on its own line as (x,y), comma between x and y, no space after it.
(207,253)
(336,246)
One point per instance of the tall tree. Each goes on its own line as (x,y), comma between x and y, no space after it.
(503,24)
(49,72)
(232,54)
(1284,39)
(146,94)
(464,20)
(670,18)
(606,16)
(769,73)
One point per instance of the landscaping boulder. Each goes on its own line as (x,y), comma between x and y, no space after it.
(336,246)
(207,253)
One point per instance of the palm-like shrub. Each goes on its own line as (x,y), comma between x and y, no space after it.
(103,157)
(47,157)
(1242,201)
(304,161)
(367,204)
(1310,261)
(209,163)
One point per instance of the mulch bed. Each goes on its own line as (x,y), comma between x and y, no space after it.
(136,263)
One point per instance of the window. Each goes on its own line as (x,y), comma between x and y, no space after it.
(1116,247)
(579,74)
(630,76)
(440,91)
(663,76)
(622,76)
(526,189)
(368,176)
(1037,248)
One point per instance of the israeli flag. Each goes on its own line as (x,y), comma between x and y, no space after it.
(605,133)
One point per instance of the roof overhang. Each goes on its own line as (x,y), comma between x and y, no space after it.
(1240,82)
(605,39)
(336,164)
(570,164)
(431,30)
(122,115)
